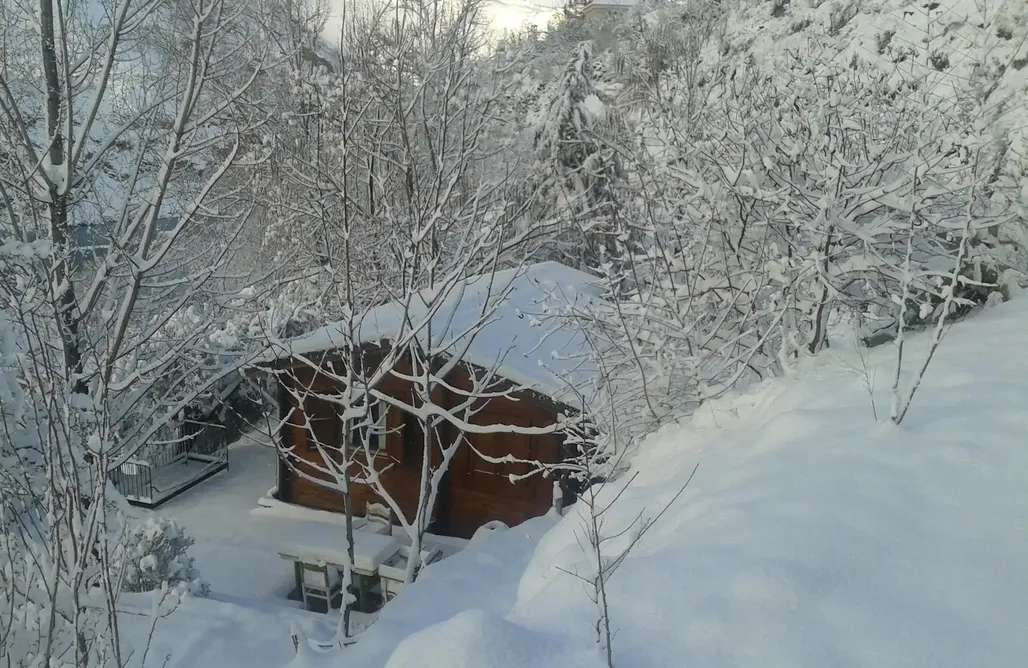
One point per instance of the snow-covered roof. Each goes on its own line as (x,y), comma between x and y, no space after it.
(524,337)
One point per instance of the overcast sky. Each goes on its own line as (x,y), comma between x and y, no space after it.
(504,14)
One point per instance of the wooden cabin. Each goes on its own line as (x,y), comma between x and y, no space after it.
(528,352)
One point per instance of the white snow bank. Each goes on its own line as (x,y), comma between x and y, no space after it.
(205,633)
(810,536)
(477,639)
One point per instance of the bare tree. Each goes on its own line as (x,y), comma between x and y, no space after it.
(126,122)
(408,113)
(792,200)
(601,494)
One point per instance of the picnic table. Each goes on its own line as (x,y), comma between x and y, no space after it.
(319,553)
(393,571)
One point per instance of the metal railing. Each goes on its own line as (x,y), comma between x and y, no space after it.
(167,469)
(133,480)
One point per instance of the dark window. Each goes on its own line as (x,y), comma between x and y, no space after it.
(324,426)
(413,439)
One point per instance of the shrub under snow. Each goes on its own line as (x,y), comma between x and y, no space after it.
(155,553)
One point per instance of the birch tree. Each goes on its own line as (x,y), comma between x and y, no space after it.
(409,192)
(130,119)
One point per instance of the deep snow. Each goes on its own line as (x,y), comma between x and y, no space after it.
(812,535)
(234,551)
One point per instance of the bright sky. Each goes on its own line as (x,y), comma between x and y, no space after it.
(504,14)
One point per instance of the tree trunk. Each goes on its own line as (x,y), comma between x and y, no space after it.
(58,188)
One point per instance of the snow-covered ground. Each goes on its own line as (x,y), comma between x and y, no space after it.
(971,45)
(234,551)
(246,621)
(812,535)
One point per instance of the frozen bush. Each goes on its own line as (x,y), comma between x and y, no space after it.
(154,552)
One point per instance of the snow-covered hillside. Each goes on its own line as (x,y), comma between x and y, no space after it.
(981,42)
(812,535)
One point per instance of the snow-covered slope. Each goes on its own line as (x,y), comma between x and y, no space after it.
(882,31)
(812,534)
(977,45)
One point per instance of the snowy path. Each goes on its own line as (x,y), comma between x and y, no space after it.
(234,551)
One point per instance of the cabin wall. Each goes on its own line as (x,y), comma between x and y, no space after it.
(473,492)
(479,491)
(307,460)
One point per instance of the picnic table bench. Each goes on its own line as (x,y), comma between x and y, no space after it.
(319,553)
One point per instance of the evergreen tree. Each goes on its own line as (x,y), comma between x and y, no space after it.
(577,167)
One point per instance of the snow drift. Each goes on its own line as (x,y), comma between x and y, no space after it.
(812,535)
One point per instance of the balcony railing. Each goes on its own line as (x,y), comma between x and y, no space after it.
(170,469)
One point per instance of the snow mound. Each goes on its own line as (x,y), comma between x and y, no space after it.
(474,639)
(812,534)
(483,577)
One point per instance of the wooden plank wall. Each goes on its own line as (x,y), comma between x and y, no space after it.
(474,491)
